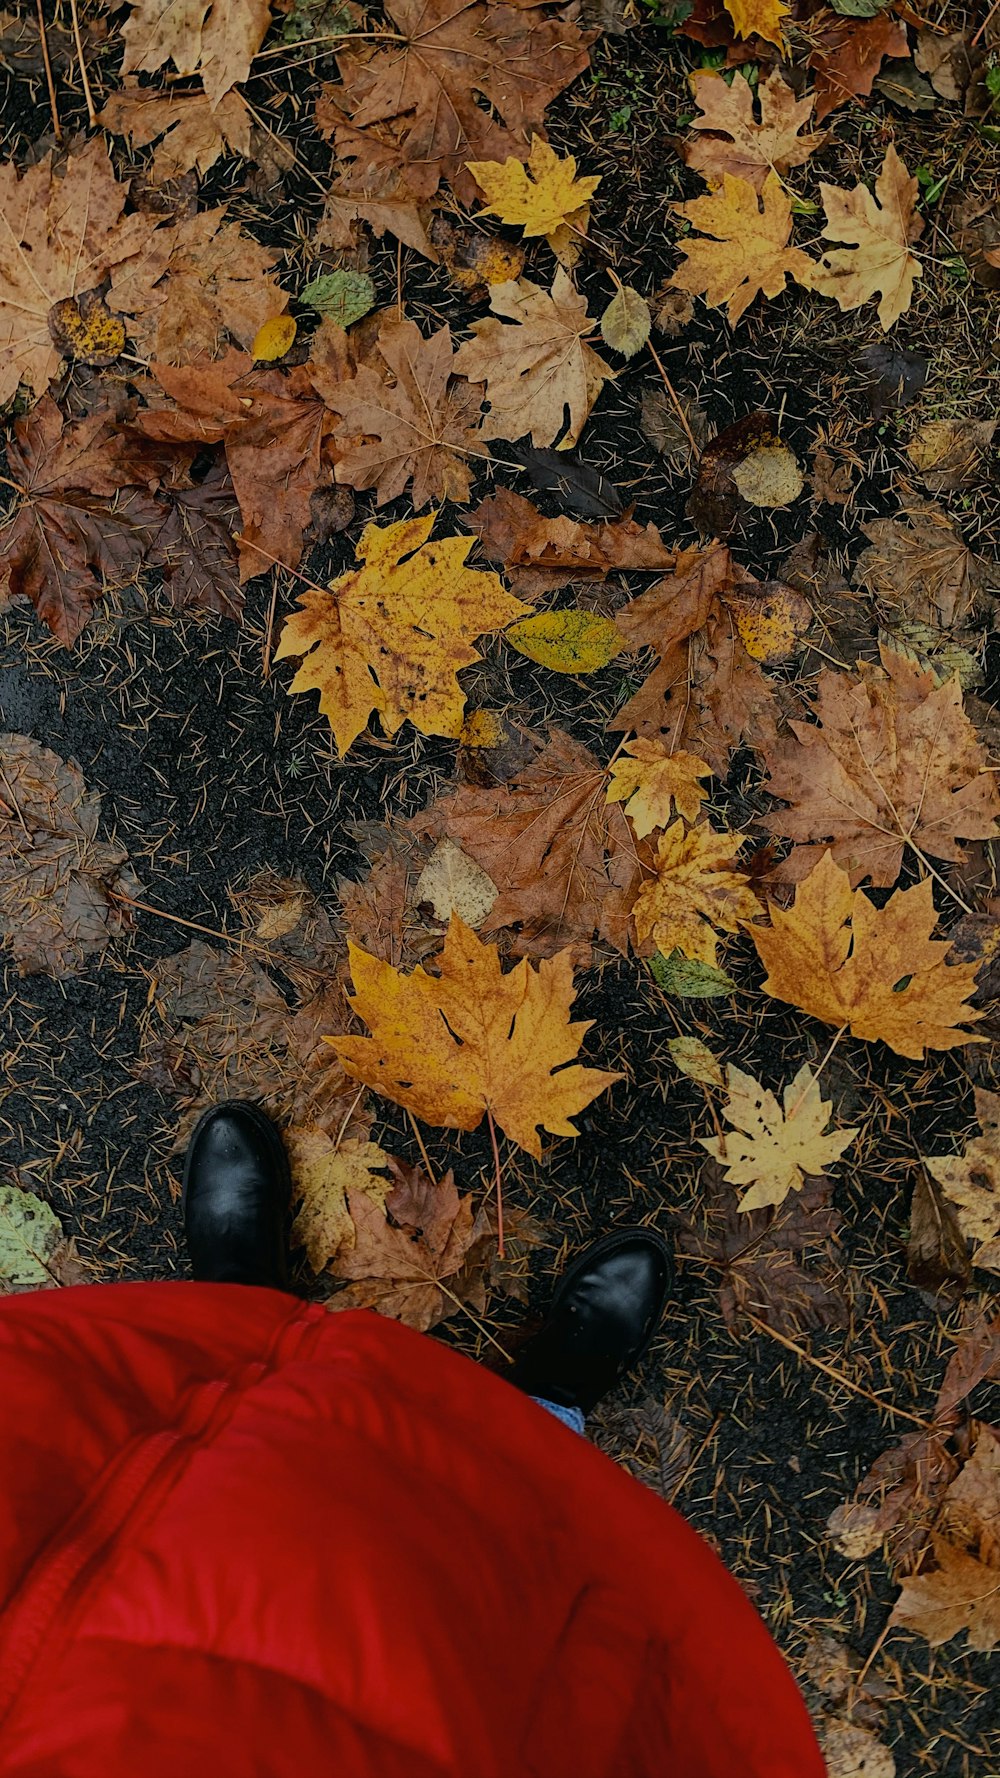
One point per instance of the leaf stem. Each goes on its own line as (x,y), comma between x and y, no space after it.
(499,1182)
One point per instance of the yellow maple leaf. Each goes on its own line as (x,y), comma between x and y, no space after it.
(972,1183)
(758,18)
(452,1047)
(750,253)
(771,1149)
(323,1172)
(406,616)
(878,259)
(692,887)
(543,198)
(882,975)
(647,778)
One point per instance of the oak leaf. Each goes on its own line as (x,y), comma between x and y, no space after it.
(758,18)
(541,555)
(878,259)
(473,1041)
(218,40)
(753,149)
(429,1262)
(971,1183)
(194,282)
(416,105)
(545,197)
(692,892)
(57,879)
(770,1148)
(566,864)
(749,254)
(961,1593)
(63,233)
(391,635)
(884,976)
(892,761)
(190,131)
(847,54)
(421,427)
(648,779)
(538,368)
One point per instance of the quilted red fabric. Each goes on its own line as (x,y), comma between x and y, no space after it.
(243,1538)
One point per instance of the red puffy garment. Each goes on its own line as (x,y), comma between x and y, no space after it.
(241,1537)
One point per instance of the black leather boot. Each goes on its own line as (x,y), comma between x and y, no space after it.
(236,1195)
(605,1312)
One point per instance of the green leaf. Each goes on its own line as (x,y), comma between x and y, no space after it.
(689,979)
(567,641)
(696,1060)
(341,296)
(859,9)
(29,1236)
(626,322)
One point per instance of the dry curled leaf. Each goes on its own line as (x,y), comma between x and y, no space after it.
(884,976)
(191,133)
(650,780)
(749,253)
(425,1265)
(733,141)
(218,40)
(770,1148)
(949,454)
(451,1048)
(541,555)
(693,891)
(971,1183)
(877,260)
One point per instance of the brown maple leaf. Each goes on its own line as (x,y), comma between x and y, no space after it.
(759,1254)
(753,149)
(847,54)
(57,879)
(217,40)
(421,427)
(892,761)
(541,555)
(428,1263)
(193,283)
(466,83)
(565,863)
(190,131)
(84,520)
(961,1593)
(194,548)
(538,368)
(63,232)
(920,569)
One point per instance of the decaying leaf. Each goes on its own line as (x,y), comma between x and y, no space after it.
(407,614)
(544,197)
(626,322)
(749,253)
(949,453)
(852,1751)
(884,976)
(217,41)
(831,481)
(453,883)
(847,54)
(892,759)
(538,368)
(342,296)
(475,259)
(920,570)
(34,1252)
(677,429)
(541,555)
(425,1265)
(473,1040)
(190,131)
(649,779)
(878,260)
(768,476)
(567,641)
(692,892)
(770,1149)
(85,330)
(191,284)
(971,1183)
(961,1593)
(696,1060)
(324,1173)
(936,1254)
(737,143)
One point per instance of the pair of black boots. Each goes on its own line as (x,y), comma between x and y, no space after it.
(604,1313)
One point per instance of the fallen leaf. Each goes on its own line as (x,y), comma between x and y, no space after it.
(492,749)
(273,339)
(895,377)
(971,1510)
(34,1252)
(567,641)
(471,1041)
(758,18)
(626,322)
(65,231)
(855,977)
(578,486)
(769,1149)
(57,879)
(453,883)
(949,454)
(946,58)
(892,758)
(696,1060)
(474,259)
(192,283)
(463,86)
(831,481)
(760,1255)
(565,863)
(847,53)
(324,1174)
(194,549)
(961,1593)
(661,422)
(420,428)
(689,979)
(851,1751)
(900,83)
(879,230)
(971,1183)
(84,329)
(343,296)
(648,779)
(542,555)
(381,912)
(749,254)
(217,41)
(191,132)
(771,621)
(391,635)
(692,892)
(919,568)
(419,1271)
(543,198)
(936,1257)
(768,476)
(674,312)
(538,368)
(753,149)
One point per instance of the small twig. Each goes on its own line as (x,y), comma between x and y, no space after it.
(816,1074)
(887,1407)
(985,24)
(50,83)
(496,1163)
(432,1176)
(352,1108)
(678,404)
(78,39)
(269,630)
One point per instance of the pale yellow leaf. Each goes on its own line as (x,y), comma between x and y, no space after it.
(771,1149)
(567,641)
(768,476)
(648,779)
(626,322)
(454,883)
(692,892)
(322,1175)
(696,1060)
